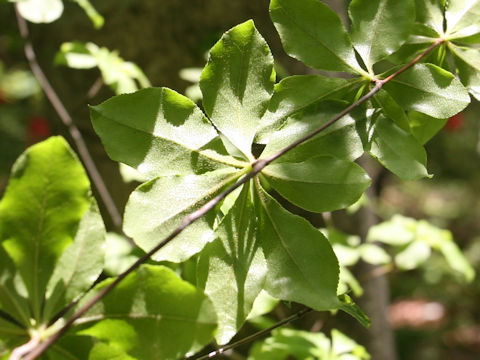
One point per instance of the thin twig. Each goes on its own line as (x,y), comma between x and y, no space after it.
(253,337)
(68,122)
(256,167)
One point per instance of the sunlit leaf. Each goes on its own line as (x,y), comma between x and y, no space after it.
(165,202)
(467,61)
(151,314)
(237,83)
(463,18)
(80,264)
(232,268)
(430,13)
(46,198)
(40,11)
(158,132)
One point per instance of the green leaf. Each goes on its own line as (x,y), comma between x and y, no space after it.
(467,61)
(151,314)
(463,18)
(46,198)
(353,310)
(75,55)
(414,255)
(122,76)
(392,110)
(374,254)
(301,264)
(13,295)
(298,344)
(232,268)
(120,255)
(430,13)
(158,132)
(263,304)
(442,240)
(165,202)
(398,231)
(428,89)
(320,183)
(340,140)
(80,264)
(398,151)
(294,94)
(311,32)
(380,27)
(40,11)
(424,127)
(94,16)
(237,84)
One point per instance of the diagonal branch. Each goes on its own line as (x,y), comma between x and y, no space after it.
(256,167)
(254,336)
(67,120)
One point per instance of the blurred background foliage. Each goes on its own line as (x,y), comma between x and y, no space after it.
(433,307)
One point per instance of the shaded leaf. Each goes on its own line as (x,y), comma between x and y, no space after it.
(314,34)
(232,268)
(398,151)
(424,127)
(301,264)
(392,110)
(165,202)
(46,198)
(428,89)
(237,83)
(151,314)
(380,27)
(321,183)
(158,132)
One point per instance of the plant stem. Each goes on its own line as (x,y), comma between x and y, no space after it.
(255,336)
(256,167)
(67,120)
